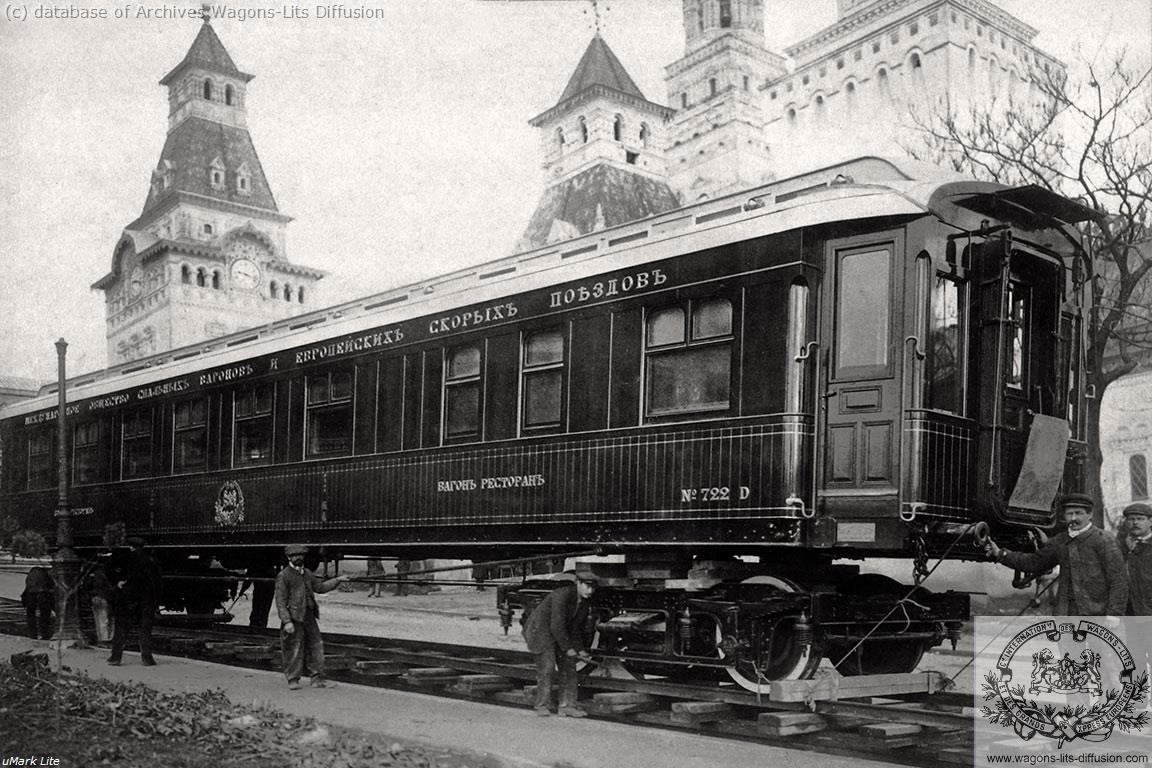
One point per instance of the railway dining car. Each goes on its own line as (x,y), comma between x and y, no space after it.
(856,362)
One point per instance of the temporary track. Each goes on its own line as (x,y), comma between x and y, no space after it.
(873,716)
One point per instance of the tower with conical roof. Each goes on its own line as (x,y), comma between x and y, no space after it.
(207,255)
(603,153)
(717,143)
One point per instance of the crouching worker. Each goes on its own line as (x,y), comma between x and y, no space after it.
(555,631)
(296,589)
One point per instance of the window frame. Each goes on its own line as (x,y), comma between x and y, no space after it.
(189,431)
(958,278)
(838,371)
(537,371)
(327,408)
(256,416)
(90,448)
(451,386)
(43,477)
(128,442)
(688,346)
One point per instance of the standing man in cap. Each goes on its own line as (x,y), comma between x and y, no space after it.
(1136,546)
(1092,577)
(137,599)
(300,641)
(555,633)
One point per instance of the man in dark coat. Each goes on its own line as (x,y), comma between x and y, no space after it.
(137,599)
(1136,546)
(1093,581)
(300,641)
(39,598)
(555,633)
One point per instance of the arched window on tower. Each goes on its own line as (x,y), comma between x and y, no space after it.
(1138,477)
(850,98)
(712,86)
(273,290)
(882,84)
(201,277)
(559,138)
(618,128)
(583,130)
(287,292)
(725,13)
(971,63)
(228,95)
(186,274)
(644,135)
(208,89)
(300,294)
(216,279)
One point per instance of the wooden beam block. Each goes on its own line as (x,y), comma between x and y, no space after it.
(381,668)
(833,687)
(694,712)
(432,676)
(789,723)
(473,684)
(891,735)
(622,702)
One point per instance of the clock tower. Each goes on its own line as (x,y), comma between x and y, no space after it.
(207,255)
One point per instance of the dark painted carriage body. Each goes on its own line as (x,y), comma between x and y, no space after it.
(802,453)
(818,369)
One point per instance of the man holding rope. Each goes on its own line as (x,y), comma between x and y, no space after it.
(1093,581)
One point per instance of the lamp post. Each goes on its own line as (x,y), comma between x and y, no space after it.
(65,563)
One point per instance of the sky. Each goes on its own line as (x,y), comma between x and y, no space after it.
(400,146)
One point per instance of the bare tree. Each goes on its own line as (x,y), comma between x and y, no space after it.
(1089,138)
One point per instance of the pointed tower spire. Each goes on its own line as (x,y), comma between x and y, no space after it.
(207,254)
(603,148)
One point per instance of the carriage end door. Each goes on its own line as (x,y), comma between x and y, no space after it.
(860,381)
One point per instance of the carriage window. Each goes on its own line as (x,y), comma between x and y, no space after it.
(542,379)
(85,453)
(252,426)
(329,419)
(946,338)
(136,453)
(190,436)
(863,302)
(40,464)
(688,358)
(462,392)
(1018,334)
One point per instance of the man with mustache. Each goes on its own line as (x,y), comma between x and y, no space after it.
(1093,580)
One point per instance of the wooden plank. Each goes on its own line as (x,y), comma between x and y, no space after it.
(891,735)
(778,724)
(622,703)
(694,712)
(381,668)
(432,676)
(473,684)
(833,687)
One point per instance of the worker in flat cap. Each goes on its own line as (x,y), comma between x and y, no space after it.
(300,642)
(1092,581)
(136,600)
(1135,539)
(557,635)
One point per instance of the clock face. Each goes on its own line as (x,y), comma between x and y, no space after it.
(245,274)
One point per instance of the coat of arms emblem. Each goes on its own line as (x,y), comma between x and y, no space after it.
(230,504)
(1067,696)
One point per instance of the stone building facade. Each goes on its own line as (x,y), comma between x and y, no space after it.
(740,114)
(208,254)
